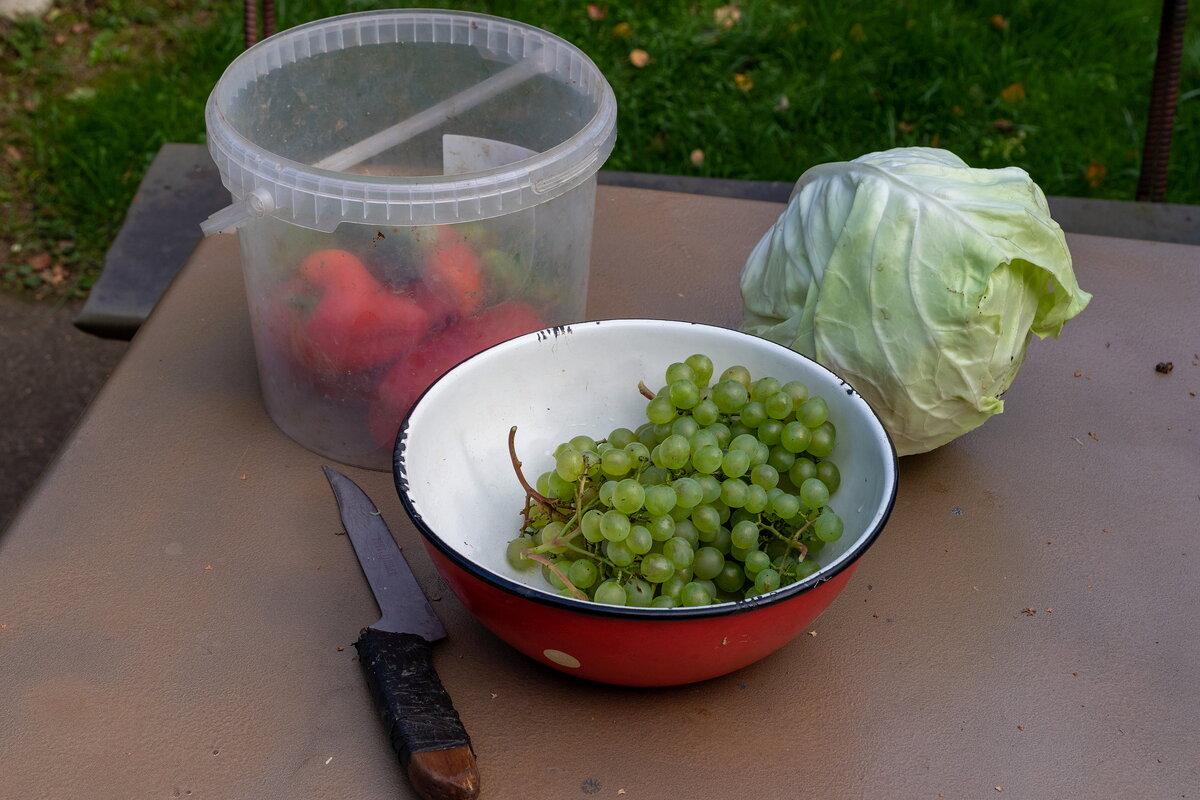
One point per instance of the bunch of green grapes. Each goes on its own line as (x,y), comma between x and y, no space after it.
(722,494)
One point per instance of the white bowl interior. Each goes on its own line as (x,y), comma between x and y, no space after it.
(582,379)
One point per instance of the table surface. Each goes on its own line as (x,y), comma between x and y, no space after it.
(177,607)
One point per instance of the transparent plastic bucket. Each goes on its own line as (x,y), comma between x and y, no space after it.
(408,187)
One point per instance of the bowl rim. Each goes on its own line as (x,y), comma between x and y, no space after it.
(678,613)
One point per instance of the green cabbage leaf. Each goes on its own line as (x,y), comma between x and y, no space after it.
(918,280)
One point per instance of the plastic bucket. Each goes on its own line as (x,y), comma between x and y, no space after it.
(409,187)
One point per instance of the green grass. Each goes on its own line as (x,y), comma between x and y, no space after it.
(1060,89)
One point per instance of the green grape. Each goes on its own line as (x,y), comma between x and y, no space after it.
(753,414)
(610,592)
(745,442)
(688,492)
(706,519)
(707,459)
(802,470)
(824,439)
(679,552)
(756,499)
(795,437)
(706,412)
(615,462)
(639,452)
(605,493)
(661,432)
(661,527)
(739,374)
(738,428)
(638,592)
(813,411)
(703,438)
(722,432)
(735,463)
(770,432)
(732,577)
(660,410)
(830,475)
(656,568)
(590,525)
(781,458)
(702,368)
(680,513)
(583,573)
(760,455)
(561,489)
(615,526)
(542,484)
(549,533)
(710,488)
(693,594)
(628,496)
(583,443)
(591,462)
(779,406)
(653,476)
(755,562)
(797,390)
(721,540)
(685,427)
(672,586)
(640,540)
(764,475)
(763,388)
(744,534)
(663,601)
(806,568)
(683,394)
(551,576)
(685,529)
(619,553)
(785,506)
(514,553)
(828,526)
(814,493)
(659,500)
(645,436)
(680,371)
(674,451)
(709,587)
(766,580)
(730,396)
(620,437)
(733,492)
(707,563)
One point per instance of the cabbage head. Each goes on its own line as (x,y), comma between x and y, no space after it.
(918,280)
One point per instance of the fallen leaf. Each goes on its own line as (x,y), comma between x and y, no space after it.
(40,261)
(697,157)
(208,568)
(998,22)
(857,33)
(596,13)
(1020,727)
(836,55)
(56,275)
(1013,93)
(622,30)
(1094,436)
(744,82)
(1095,174)
(639,58)
(79,27)
(727,16)
(13,154)
(812,633)
(1162,367)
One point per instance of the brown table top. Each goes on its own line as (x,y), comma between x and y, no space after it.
(177,609)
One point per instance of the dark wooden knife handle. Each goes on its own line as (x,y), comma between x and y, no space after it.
(418,714)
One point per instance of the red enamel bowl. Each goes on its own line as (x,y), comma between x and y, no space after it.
(456,481)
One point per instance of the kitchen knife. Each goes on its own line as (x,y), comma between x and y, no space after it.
(396,658)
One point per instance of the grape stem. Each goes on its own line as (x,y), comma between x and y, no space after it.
(541,559)
(645,390)
(534,494)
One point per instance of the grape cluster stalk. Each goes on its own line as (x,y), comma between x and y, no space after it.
(722,494)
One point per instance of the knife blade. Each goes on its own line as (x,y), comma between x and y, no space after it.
(397,659)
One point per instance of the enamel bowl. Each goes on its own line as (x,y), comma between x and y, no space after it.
(456,481)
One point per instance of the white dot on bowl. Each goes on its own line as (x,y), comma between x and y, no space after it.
(561,658)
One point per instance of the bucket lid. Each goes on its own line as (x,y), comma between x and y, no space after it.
(400,82)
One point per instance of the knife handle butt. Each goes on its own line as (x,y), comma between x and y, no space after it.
(421,721)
